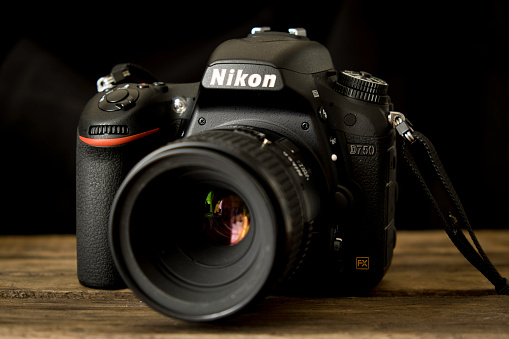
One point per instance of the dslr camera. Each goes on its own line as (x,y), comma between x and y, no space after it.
(274,173)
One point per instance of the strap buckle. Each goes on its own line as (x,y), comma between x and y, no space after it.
(402,125)
(105,83)
(109,81)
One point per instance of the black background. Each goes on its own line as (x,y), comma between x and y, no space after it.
(446,66)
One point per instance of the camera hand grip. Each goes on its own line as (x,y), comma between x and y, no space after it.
(97,179)
(99,172)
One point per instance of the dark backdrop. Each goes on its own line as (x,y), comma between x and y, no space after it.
(446,66)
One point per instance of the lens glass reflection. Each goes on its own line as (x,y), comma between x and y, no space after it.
(226,219)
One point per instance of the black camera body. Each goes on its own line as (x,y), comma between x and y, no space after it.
(274,168)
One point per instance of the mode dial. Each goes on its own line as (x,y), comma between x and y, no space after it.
(362,86)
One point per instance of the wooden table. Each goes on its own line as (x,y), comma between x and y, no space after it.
(430,291)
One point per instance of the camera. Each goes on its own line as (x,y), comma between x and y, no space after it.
(275,172)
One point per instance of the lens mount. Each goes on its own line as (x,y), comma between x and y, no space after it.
(157,234)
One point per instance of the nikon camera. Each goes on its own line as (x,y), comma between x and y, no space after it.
(274,173)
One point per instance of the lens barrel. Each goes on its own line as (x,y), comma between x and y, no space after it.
(203,226)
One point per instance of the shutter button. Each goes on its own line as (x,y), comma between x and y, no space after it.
(119,99)
(117,95)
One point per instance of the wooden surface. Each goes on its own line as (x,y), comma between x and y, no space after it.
(431,291)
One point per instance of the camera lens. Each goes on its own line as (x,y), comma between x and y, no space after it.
(201,227)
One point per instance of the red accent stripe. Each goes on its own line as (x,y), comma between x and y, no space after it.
(116,141)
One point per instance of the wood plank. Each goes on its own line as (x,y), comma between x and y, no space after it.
(427,263)
(377,317)
(430,291)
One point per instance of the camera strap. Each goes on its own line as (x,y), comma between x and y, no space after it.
(421,156)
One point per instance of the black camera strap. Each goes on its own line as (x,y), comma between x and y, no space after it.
(421,156)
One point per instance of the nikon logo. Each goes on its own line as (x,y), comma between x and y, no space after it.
(238,78)
(250,77)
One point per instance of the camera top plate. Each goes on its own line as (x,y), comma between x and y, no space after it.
(293,52)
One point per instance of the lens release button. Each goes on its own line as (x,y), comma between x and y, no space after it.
(343,197)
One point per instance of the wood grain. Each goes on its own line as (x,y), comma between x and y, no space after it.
(430,291)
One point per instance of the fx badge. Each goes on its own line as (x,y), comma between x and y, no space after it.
(362,263)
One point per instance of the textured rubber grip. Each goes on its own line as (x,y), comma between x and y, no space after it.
(97,179)
(99,173)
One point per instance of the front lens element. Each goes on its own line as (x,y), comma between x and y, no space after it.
(227,219)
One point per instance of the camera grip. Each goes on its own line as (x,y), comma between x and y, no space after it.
(99,173)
